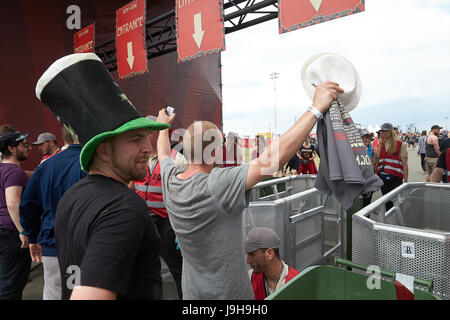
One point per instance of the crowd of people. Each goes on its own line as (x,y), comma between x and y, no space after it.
(122,193)
(387,150)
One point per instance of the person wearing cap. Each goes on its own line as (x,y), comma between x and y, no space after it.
(15,259)
(107,245)
(269,272)
(391,160)
(205,203)
(432,151)
(47,145)
(49,182)
(150,189)
(442,167)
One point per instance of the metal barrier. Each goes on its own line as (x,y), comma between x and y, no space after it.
(305,221)
(281,187)
(412,237)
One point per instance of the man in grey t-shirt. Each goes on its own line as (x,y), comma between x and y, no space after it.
(205,203)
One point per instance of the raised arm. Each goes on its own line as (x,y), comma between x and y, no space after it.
(163,143)
(281,150)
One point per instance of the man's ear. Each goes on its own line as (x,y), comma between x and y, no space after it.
(269,253)
(104,151)
(11,149)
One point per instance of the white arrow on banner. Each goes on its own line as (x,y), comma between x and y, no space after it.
(198,32)
(130,58)
(316,4)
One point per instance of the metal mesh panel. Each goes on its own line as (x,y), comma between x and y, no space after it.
(362,243)
(423,209)
(331,222)
(431,262)
(308,240)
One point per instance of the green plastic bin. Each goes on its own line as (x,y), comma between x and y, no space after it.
(333,283)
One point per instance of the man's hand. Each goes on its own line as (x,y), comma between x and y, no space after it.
(36,252)
(325,94)
(163,117)
(24,240)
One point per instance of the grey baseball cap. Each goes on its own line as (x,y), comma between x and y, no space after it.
(387,127)
(45,136)
(259,238)
(363,132)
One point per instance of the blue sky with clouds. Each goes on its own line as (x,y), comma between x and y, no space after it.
(400,48)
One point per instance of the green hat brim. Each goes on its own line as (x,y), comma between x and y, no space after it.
(138,123)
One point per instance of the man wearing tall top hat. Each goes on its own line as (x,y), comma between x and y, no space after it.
(107,245)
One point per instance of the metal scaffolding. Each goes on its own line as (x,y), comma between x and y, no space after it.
(161,32)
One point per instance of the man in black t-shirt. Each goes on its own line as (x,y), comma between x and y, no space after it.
(106,243)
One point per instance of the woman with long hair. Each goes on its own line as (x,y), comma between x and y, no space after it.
(391,160)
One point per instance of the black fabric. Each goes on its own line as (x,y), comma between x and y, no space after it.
(104,228)
(388,186)
(445,143)
(293,163)
(168,250)
(15,265)
(307,153)
(442,162)
(422,162)
(86,98)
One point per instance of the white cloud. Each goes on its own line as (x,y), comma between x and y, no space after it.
(400,49)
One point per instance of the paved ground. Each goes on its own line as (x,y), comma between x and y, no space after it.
(33,290)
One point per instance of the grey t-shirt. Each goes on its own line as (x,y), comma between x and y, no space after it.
(205,212)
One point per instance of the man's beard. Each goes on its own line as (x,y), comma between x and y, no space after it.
(128,173)
(21,156)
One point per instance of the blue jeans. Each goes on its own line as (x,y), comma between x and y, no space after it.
(15,265)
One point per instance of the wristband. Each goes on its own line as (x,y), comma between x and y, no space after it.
(316,112)
(21,233)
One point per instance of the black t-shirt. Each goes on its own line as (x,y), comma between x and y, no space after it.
(442,161)
(444,144)
(103,228)
(307,153)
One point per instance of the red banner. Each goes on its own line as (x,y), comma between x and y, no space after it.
(131,49)
(200,28)
(295,14)
(84,40)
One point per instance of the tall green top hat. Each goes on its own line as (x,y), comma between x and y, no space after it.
(81,93)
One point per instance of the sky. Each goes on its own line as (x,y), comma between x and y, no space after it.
(401,50)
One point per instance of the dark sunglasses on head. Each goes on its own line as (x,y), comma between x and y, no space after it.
(21,137)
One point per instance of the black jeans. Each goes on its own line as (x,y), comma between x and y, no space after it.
(15,265)
(367,198)
(388,186)
(422,161)
(168,250)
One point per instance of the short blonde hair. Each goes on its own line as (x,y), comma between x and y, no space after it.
(198,137)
